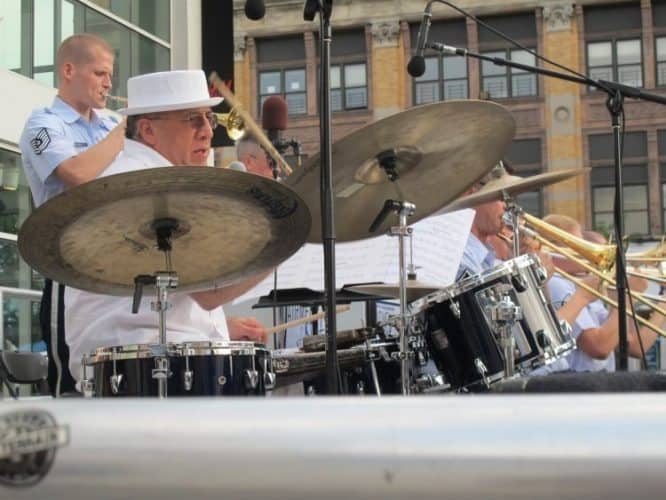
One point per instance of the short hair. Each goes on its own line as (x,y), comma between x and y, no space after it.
(76,49)
(248,144)
(569,224)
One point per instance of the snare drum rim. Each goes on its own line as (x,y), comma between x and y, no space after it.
(463,286)
(175,349)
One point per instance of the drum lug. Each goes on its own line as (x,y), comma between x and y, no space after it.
(269,381)
(455,309)
(188,376)
(115,380)
(250,379)
(482,370)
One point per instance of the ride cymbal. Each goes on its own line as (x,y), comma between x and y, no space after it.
(226,226)
(427,155)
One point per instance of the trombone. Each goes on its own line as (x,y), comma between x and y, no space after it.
(600,255)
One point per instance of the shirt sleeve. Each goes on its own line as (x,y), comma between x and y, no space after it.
(560,291)
(46,143)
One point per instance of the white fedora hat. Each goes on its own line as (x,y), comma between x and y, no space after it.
(167,91)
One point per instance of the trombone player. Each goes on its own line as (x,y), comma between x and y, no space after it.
(595,328)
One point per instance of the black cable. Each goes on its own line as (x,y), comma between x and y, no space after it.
(509,39)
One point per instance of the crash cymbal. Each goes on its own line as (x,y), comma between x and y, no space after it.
(437,150)
(100,235)
(511,185)
(415,289)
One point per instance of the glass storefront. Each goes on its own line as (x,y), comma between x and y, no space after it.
(30,35)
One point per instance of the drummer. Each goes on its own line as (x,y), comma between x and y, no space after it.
(170,122)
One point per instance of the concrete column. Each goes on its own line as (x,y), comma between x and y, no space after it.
(242,74)
(654,183)
(473,65)
(388,59)
(186,34)
(649,70)
(564,144)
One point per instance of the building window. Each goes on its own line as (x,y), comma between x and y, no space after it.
(616,60)
(661,141)
(445,77)
(349,71)
(635,180)
(659,22)
(613,43)
(20,286)
(35,30)
(502,82)
(281,71)
(349,87)
(525,160)
(290,84)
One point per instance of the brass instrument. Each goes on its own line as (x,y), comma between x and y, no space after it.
(603,256)
(233,123)
(600,255)
(248,123)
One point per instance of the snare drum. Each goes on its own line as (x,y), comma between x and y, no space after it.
(464,341)
(195,369)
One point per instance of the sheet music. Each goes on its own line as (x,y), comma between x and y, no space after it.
(438,242)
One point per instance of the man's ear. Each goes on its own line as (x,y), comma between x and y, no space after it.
(67,71)
(146,131)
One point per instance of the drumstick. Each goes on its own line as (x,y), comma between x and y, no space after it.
(249,123)
(307,319)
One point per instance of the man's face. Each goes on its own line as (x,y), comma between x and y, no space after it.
(488,218)
(90,82)
(182,137)
(257,162)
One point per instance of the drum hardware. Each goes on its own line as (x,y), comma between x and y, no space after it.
(201,369)
(429,383)
(188,374)
(403,209)
(505,314)
(483,371)
(115,379)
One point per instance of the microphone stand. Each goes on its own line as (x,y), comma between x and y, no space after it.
(324,9)
(616,93)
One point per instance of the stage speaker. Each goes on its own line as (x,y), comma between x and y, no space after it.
(217,47)
(585,382)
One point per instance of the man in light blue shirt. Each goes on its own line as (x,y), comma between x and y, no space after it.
(70,143)
(595,328)
(65,145)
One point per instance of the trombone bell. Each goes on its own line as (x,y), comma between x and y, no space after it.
(233,123)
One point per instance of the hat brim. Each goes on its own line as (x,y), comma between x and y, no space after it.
(142,110)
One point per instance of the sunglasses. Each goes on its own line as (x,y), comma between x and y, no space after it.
(196,120)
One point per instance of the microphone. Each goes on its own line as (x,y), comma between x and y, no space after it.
(416,66)
(255,9)
(274,120)
(238,166)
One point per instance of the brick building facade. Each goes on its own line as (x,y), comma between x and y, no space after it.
(560,125)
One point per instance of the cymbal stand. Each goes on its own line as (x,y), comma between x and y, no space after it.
(404,209)
(163,281)
(510,218)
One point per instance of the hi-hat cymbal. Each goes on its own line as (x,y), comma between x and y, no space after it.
(100,235)
(415,289)
(511,185)
(437,151)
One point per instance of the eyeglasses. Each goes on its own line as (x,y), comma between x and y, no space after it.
(196,120)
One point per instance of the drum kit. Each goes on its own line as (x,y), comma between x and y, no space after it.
(197,228)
